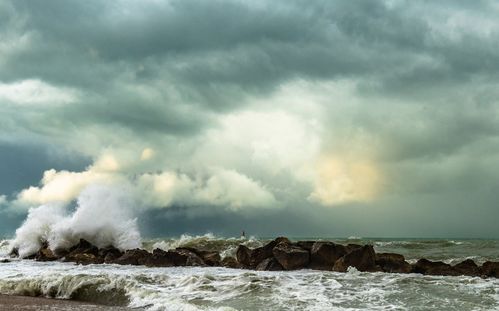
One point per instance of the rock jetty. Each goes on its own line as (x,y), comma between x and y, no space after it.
(278,255)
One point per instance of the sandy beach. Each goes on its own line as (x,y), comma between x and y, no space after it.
(45,304)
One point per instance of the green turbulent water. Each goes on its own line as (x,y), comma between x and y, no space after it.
(186,288)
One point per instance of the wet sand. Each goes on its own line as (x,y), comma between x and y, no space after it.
(47,304)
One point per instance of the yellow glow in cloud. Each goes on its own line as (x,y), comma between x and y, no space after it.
(341,180)
(147,154)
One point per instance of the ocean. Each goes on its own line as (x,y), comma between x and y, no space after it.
(199,288)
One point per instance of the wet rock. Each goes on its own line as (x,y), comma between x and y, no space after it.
(14,252)
(250,258)
(84,252)
(133,257)
(84,247)
(269,264)
(210,258)
(230,262)
(427,267)
(5,260)
(45,253)
(243,256)
(161,258)
(467,267)
(350,247)
(490,269)
(86,259)
(291,257)
(363,259)
(307,245)
(323,255)
(191,258)
(109,254)
(394,263)
(260,253)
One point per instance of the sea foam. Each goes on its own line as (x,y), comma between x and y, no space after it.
(103,216)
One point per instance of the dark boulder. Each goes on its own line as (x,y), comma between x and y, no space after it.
(86,259)
(490,269)
(394,263)
(291,257)
(250,258)
(467,267)
(323,255)
(210,258)
(83,252)
(191,258)
(14,252)
(350,247)
(45,254)
(363,259)
(84,247)
(133,257)
(269,264)
(243,256)
(307,245)
(230,262)
(161,258)
(5,260)
(109,254)
(260,253)
(427,267)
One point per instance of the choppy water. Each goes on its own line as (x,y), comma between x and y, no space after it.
(230,289)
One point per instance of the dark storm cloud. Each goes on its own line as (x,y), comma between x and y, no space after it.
(424,78)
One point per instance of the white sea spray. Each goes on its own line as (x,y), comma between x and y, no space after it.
(103,216)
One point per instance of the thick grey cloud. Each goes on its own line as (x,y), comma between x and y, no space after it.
(400,94)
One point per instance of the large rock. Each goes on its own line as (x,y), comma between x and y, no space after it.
(86,259)
(251,258)
(291,257)
(269,264)
(134,257)
(307,245)
(84,252)
(191,258)
(266,251)
(230,262)
(45,254)
(394,263)
(109,254)
(323,255)
(210,258)
(161,258)
(84,247)
(490,268)
(467,267)
(363,259)
(243,256)
(427,267)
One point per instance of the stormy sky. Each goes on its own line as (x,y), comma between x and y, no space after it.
(302,118)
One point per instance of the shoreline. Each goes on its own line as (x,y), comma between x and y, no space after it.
(28,303)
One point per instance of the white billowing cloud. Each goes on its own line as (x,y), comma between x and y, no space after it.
(226,188)
(270,140)
(61,186)
(65,186)
(31,92)
(232,189)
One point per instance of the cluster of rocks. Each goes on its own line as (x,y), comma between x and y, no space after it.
(277,255)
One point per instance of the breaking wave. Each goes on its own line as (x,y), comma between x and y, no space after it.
(103,216)
(188,288)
